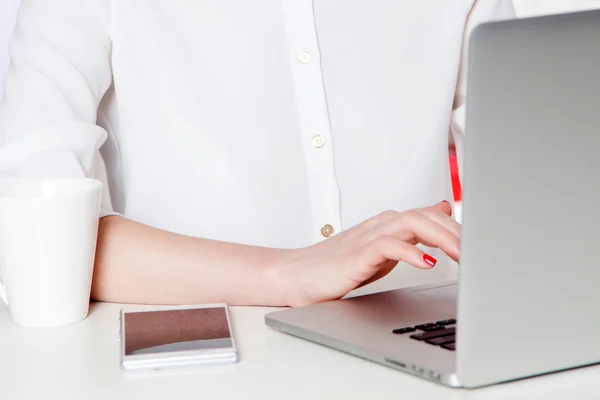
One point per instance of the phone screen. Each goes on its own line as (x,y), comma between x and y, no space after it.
(162,331)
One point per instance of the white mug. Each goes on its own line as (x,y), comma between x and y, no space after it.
(48,234)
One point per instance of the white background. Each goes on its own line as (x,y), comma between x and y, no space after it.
(8,10)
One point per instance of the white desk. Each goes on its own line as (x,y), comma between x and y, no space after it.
(82,362)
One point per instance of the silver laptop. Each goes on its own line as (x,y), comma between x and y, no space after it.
(527,301)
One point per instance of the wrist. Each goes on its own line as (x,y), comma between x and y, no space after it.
(280,280)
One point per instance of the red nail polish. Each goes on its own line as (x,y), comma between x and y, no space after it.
(429,260)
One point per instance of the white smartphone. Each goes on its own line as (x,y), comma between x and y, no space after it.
(176,336)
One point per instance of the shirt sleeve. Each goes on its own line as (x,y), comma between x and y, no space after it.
(481,11)
(60,70)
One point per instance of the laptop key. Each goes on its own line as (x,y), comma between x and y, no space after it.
(433,328)
(449,346)
(442,340)
(447,322)
(424,326)
(434,334)
(402,331)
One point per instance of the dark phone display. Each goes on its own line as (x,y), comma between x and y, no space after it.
(153,332)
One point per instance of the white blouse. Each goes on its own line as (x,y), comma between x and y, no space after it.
(268,122)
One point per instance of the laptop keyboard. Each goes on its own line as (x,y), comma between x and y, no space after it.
(440,333)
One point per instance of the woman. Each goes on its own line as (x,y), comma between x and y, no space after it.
(259,153)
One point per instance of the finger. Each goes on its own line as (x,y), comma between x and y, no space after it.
(415,225)
(445,207)
(388,247)
(383,254)
(439,216)
(369,229)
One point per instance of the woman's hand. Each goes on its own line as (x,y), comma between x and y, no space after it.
(365,253)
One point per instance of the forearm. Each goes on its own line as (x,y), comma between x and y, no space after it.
(136,263)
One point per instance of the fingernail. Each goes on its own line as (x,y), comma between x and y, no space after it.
(429,260)
(446,201)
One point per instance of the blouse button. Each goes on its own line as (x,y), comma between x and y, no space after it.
(327,230)
(318,141)
(305,57)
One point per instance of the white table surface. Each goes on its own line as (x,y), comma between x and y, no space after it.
(81,361)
